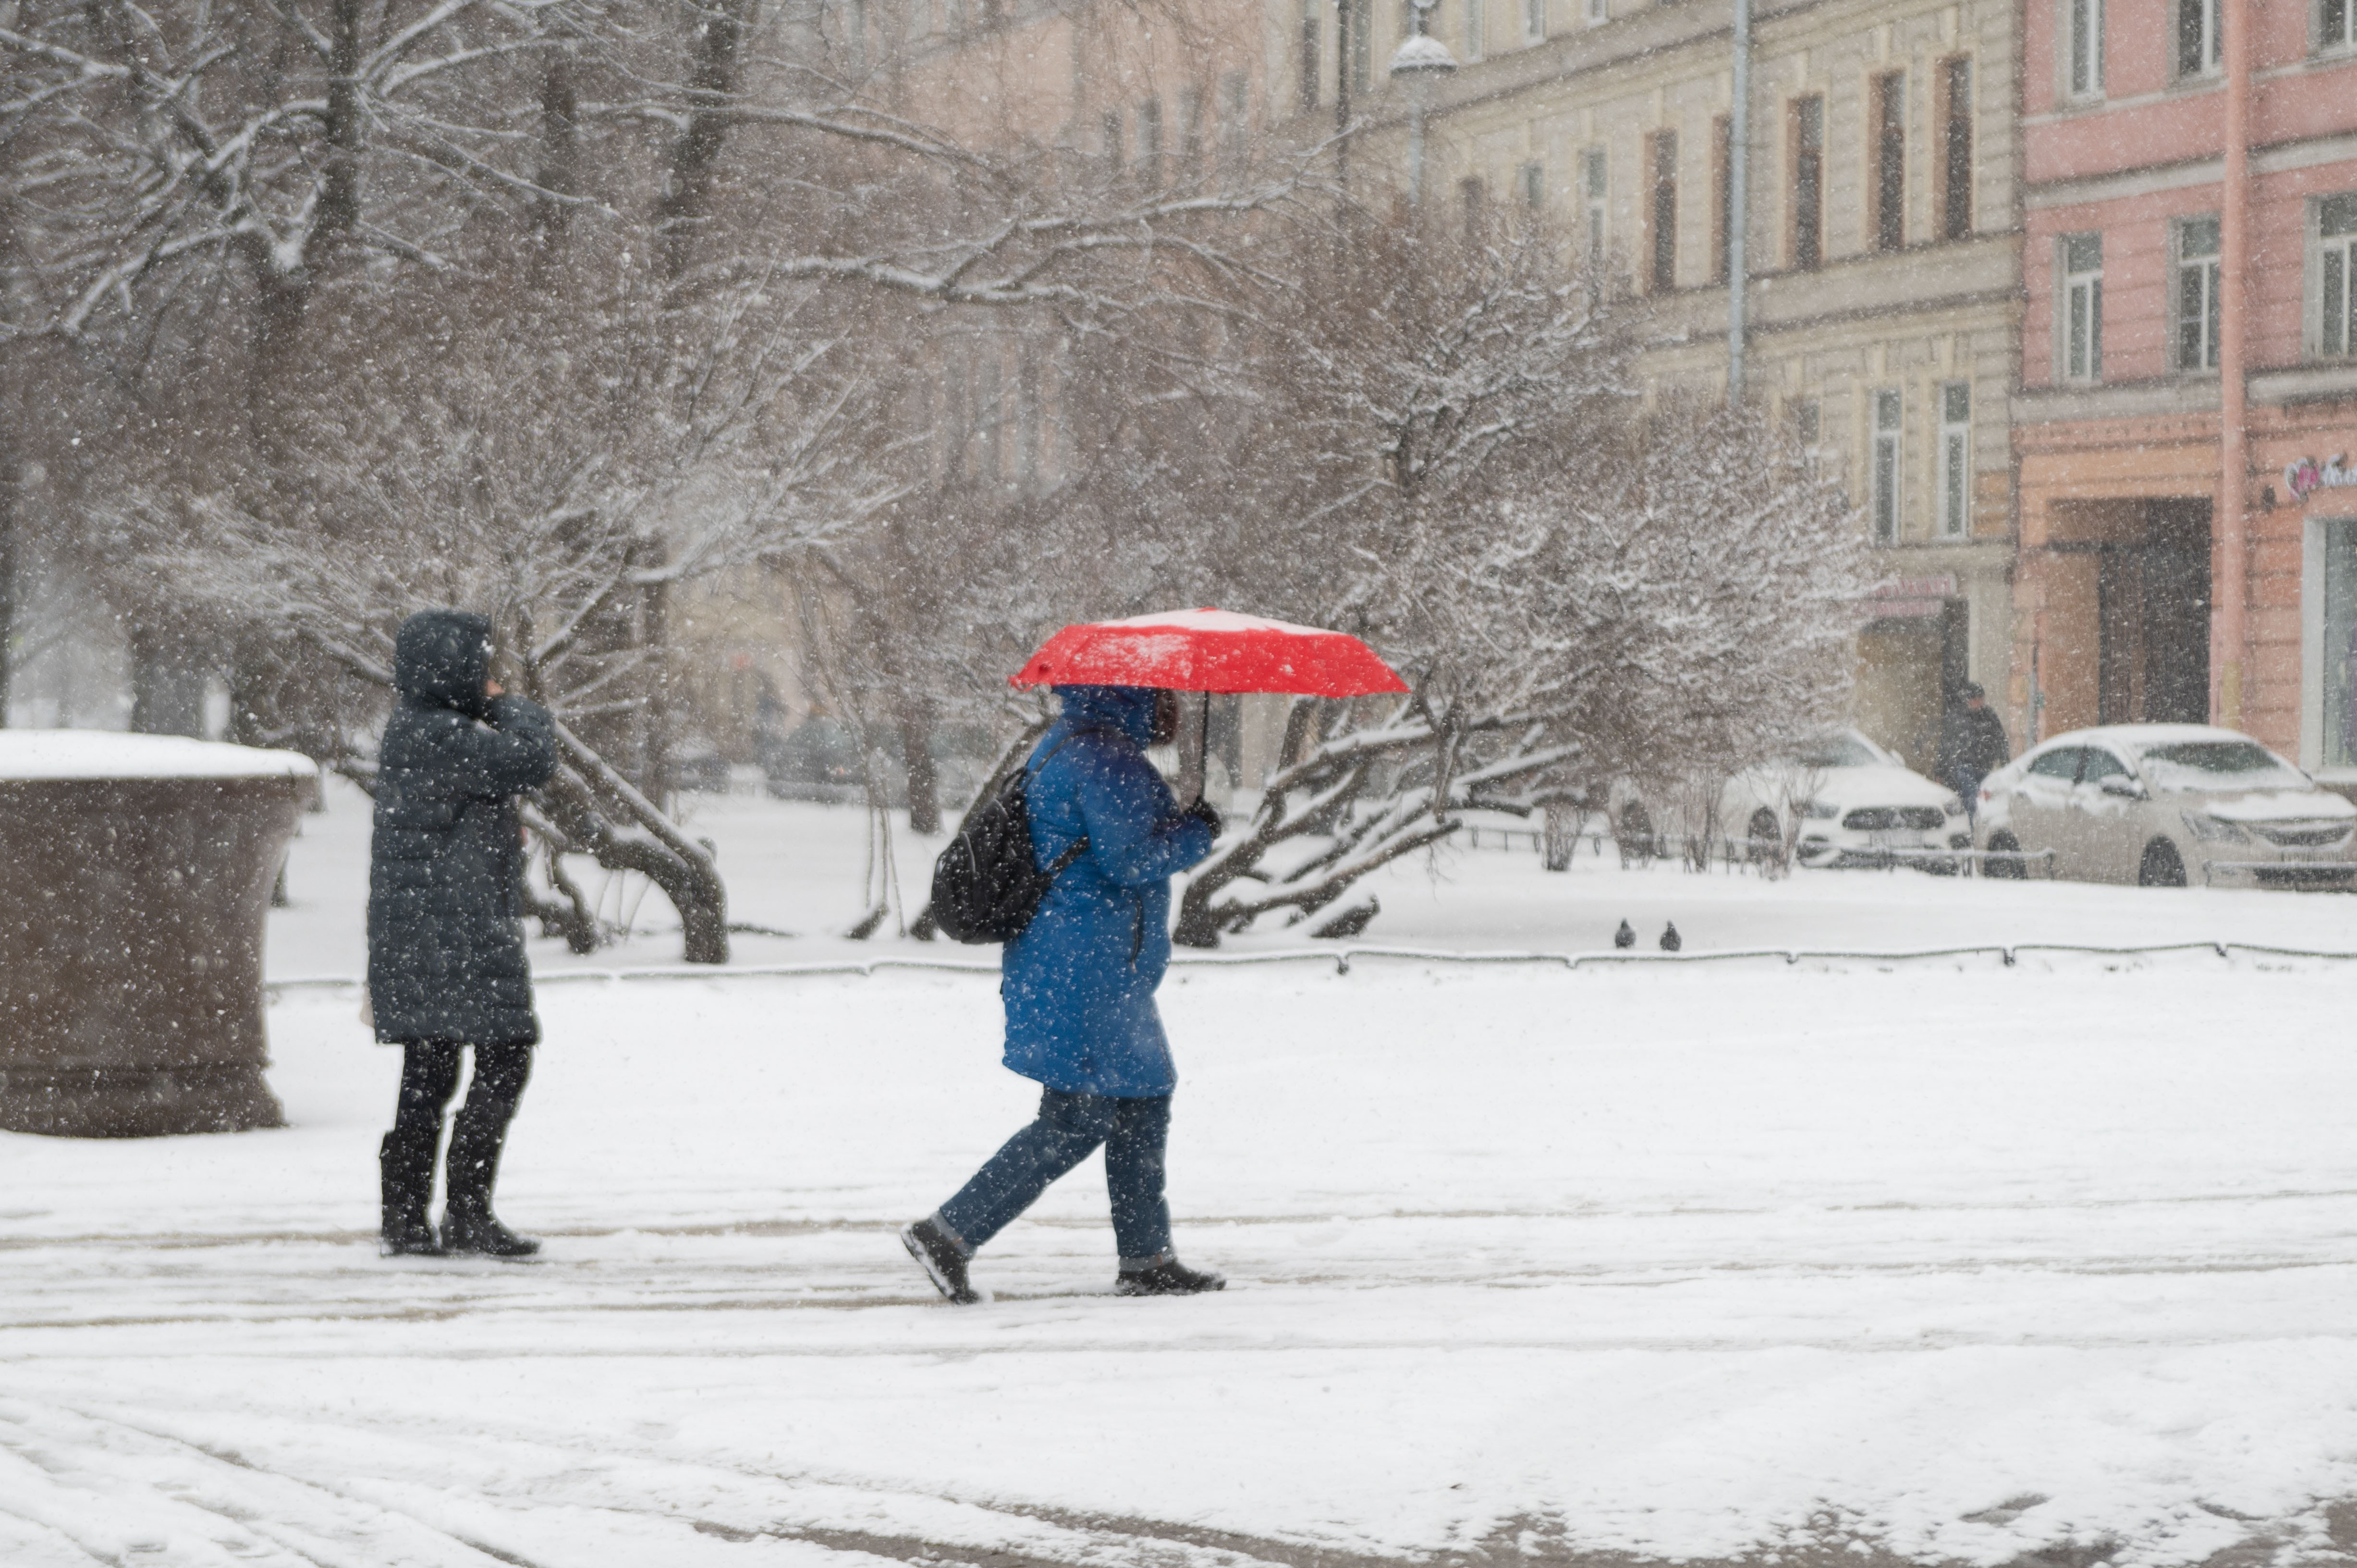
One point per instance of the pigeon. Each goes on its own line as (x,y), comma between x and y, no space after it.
(1625,936)
(1671,940)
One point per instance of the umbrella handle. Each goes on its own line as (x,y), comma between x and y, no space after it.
(1194,718)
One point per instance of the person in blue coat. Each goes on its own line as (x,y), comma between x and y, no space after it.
(1078,986)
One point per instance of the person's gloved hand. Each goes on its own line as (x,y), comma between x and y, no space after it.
(1205,812)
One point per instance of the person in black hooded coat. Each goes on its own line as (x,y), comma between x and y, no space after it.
(446,966)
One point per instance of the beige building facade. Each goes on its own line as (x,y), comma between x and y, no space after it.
(1882,232)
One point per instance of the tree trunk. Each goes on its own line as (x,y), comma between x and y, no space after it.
(168,687)
(917,758)
(711,76)
(1562,834)
(560,152)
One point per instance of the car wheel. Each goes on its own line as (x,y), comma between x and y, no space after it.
(2162,867)
(2009,870)
(1767,839)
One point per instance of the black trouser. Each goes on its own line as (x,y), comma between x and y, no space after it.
(429,1077)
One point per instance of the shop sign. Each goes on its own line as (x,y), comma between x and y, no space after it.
(2307,475)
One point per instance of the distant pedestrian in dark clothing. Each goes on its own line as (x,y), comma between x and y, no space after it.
(1972,745)
(446,966)
(1079,987)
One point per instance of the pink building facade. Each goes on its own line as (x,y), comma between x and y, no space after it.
(2189,370)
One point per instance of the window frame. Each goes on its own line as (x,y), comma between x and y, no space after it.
(2204,267)
(2323,251)
(1722,198)
(1596,191)
(2325,38)
(1804,182)
(1953,111)
(2067,282)
(1886,465)
(2082,55)
(1662,211)
(1885,191)
(1955,476)
(2211,21)
(1530,183)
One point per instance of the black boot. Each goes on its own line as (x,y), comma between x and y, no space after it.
(470,1168)
(406,1177)
(938,1253)
(1168,1277)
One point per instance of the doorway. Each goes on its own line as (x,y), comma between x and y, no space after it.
(2153,619)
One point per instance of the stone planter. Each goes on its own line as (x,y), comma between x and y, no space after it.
(134,876)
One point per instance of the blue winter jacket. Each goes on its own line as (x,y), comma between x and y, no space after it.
(1078,982)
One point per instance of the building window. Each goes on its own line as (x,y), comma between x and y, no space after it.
(1190,125)
(2339,641)
(1532,179)
(1884,468)
(1956,149)
(1109,131)
(1888,195)
(1534,20)
(2197,294)
(1598,12)
(2083,48)
(1235,134)
(2336,24)
(1311,15)
(1722,196)
(1955,459)
(2336,274)
(1661,274)
(1808,142)
(1474,197)
(2200,46)
(1476,29)
(1592,190)
(1361,20)
(2082,303)
(1807,420)
(1149,138)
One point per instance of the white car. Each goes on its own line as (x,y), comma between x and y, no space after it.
(2165,805)
(1849,803)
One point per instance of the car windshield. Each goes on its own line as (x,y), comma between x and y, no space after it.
(1836,751)
(2189,765)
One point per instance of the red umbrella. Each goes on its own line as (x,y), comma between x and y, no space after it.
(1208,650)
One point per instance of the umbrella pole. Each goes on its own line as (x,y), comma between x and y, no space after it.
(1194,718)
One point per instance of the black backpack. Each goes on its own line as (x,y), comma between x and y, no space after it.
(985,888)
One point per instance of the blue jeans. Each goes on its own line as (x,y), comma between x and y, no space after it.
(1068,1131)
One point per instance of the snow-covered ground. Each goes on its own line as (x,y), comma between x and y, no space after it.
(1943,1258)
(800,868)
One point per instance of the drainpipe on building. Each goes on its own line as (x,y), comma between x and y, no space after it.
(1738,165)
(2230,646)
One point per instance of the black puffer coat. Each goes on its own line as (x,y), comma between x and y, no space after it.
(445,947)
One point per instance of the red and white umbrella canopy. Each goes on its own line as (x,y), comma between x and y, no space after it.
(1210,650)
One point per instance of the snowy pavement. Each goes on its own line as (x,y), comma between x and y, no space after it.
(1949,1260)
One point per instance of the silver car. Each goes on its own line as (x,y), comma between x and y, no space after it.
(2165,805)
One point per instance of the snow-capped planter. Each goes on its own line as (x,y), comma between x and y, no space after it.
(134,876)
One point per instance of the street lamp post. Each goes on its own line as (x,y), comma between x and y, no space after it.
(1419,62)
